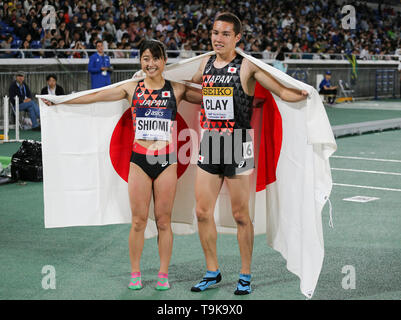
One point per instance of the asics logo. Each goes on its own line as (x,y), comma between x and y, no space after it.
(241,164)
(164,164)
(156,113)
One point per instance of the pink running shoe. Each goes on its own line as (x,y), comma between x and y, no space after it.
(162,282)
(136,283)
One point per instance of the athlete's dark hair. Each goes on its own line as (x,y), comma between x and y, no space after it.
(156,48)
(52,75)
(231,18)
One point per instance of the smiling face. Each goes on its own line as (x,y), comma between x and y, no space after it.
(152,65)
(224,38)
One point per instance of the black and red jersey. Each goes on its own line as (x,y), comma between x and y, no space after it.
(161,99)
(225,105)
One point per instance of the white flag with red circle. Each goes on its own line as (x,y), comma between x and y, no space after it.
(85,176)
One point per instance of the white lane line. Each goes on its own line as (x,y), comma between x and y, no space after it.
(368,171)
(365,187)
(369,159)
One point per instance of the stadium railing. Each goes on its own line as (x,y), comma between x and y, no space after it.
(134,53)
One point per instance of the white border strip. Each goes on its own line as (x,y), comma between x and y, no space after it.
(365,187)
(367,171)
(369,159)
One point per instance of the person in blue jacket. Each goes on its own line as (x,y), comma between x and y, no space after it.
(326,88)
(99,67)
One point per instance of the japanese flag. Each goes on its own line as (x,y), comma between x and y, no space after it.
(232,70)
(166,94)
(290,184)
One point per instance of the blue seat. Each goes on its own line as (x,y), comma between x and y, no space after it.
(16,44)
(9,29)
(36,44)
(134,54)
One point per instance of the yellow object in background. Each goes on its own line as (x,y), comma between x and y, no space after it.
(344,99)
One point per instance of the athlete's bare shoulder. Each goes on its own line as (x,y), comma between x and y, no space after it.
(130,86)
(197,77)
(204,62)
(249,68)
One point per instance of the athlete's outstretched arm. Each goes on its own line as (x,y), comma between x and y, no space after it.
(269,83)
(192,95)
(112,94)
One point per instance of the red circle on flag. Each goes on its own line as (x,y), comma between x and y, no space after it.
(271,139)
(122,140)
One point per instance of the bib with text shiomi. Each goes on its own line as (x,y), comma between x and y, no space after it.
(153,124)
(218,102)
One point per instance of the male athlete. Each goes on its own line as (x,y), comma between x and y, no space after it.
(226,148)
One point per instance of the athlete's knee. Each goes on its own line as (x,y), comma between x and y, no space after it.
(203,213)
(163,222)
(241,214)
(139,222)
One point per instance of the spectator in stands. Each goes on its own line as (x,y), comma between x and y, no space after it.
(79,54)
(32,16)
(87,32)
(27,54)
(76,37)
(278,63)
(121,10)
(64,32)
(21,29)
(119,54)
(7,45)
(61,46)
(267,53)
(35,31)
(172,46)
(47,39)
(99,67)
(92,42)
(186,51)
(149,35)
(162,26)
(121,31)
(20,88)
(126,53)
(110,27)
(60,17)
(52,87)
(139,38)
(326,88)
(53,47)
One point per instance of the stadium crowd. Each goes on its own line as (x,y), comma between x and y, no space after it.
(308,28)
